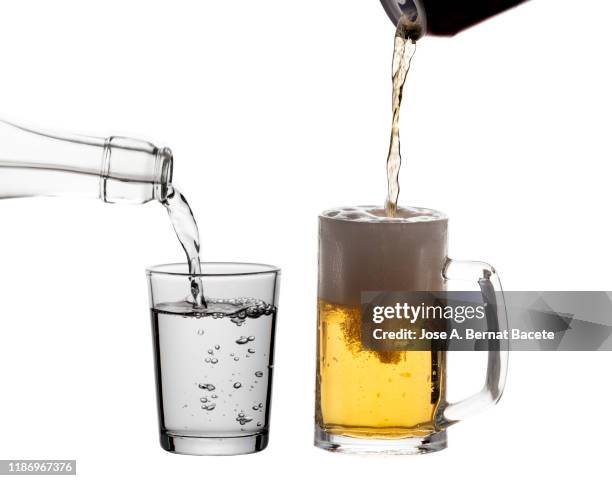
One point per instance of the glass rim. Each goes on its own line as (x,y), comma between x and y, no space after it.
(418,215)
(214,269)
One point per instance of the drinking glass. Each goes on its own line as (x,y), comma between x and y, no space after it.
(213,363)
(391,401)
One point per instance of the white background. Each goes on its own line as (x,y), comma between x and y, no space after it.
(275,111)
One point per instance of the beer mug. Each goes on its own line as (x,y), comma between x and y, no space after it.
(391,402)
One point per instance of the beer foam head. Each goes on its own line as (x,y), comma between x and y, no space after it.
(377,214)
(362,249)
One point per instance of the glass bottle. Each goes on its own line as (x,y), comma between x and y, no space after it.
(113,169)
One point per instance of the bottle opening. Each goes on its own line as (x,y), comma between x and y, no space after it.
(165,164)
(411,11)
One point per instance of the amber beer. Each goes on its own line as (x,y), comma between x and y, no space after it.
(366,399)
(365,394)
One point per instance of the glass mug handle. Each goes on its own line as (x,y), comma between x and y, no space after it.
(497,320)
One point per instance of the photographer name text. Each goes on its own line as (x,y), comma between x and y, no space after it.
(463,334)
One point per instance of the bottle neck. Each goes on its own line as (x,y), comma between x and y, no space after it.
(134,170)
(116,169)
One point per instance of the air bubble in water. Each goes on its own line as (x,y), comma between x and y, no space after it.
(214,360)
(242,340)
(217,347)
(251,351)
(242,419)
(209,407)
(214,396)
(207,387)
(236,358)
(259,374)
(200,332)
(237,385)
(251,338)
(207,359)
(203,399)
(237,309)
(258,425)
(210,351)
